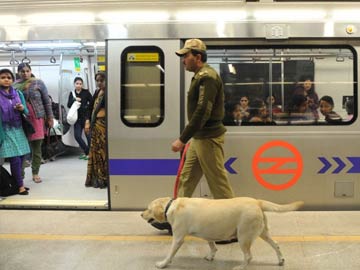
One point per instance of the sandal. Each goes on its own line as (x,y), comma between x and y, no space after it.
(36,179)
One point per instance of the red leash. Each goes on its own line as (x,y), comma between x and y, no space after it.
(181,165)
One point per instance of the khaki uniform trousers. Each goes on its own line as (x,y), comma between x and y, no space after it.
(205,156)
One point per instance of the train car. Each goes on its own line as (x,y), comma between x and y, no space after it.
(261,49)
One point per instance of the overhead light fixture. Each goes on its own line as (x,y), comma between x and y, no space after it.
(289,15)
(329,29)
(95,44)
(349,15)
(61,18)
(210,15)
(232,69)
(133,16)
(9,19)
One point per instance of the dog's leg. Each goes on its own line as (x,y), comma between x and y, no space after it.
(175,245)
(212,252)
(245,240)
(245,247)
(267,238)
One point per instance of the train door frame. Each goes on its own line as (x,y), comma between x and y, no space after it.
(141,169)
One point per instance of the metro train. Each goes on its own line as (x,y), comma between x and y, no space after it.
(260,49)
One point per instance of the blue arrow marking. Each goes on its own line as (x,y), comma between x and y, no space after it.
(228,165)
(340,163)
(326,163)
(356,164)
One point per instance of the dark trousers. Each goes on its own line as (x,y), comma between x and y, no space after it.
(16,169)
(78,131)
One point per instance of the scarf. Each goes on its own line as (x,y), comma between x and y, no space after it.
(9,116)
(24,86)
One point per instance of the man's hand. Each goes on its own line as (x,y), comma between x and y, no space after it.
(177,146)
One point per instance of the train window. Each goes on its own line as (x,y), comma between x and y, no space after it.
(142,86)
(288,85)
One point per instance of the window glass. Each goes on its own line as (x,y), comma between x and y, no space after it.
(142,86)
(288,85)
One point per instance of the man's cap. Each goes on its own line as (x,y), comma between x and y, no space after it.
(192,44)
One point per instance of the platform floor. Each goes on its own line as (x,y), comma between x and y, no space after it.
(92,240)
(63,186)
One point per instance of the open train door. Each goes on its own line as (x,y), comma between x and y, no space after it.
(144,117)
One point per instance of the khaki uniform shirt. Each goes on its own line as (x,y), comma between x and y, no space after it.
(205,106)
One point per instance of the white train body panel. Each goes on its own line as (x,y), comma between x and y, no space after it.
(277,42)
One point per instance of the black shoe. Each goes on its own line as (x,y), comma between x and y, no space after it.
(26,188)
(25,192)
(225,242)
(162,226)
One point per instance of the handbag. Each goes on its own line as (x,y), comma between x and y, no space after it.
(8,184)
(52,146)
(27,125)
(72,115)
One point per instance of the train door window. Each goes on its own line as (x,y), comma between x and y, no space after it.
(142,86)
(288,85)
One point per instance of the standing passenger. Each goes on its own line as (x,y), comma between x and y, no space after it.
(84,97)
(97,175)
(40,113)
(306,87)
(205,110)
(14,144)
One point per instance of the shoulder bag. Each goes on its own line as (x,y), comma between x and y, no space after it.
(27,125)
(72,115)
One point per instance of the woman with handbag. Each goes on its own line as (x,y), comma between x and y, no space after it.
(84,97)
(14,144)
(40,113)
(97,175)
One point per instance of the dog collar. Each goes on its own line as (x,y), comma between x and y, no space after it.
(167,208)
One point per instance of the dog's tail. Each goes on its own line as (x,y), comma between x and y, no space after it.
(273,207)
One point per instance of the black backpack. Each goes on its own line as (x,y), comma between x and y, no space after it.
(8,185)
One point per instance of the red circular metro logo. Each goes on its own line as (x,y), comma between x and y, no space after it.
(274,164)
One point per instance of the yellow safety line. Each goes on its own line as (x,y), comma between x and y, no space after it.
(157,238)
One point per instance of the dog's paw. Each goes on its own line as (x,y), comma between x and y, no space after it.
(240,267)
(161,264)
(209,257)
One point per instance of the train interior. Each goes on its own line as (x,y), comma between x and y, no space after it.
(57,63)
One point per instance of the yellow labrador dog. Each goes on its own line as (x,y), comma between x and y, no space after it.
(214,220)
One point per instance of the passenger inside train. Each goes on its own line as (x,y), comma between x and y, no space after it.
(258,114)
(233,114)
(349,106)
(297,76)
(327,109)
(306,87)
(299,110)
(273,109)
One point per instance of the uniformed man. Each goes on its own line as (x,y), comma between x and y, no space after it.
(205,111)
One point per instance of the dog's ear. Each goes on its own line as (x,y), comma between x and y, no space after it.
(158,212)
